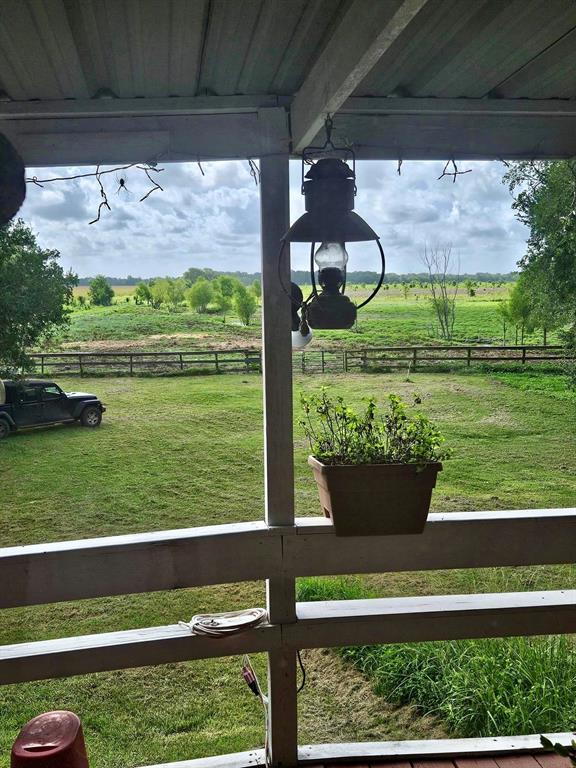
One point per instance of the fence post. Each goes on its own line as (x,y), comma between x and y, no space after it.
(131,365)
(181,359)
(216,362)
(523,355)
(322,358)
(414,358)
(364,360)
(345,361)
(42,365)
(303,362)
(469,356)
(80,365)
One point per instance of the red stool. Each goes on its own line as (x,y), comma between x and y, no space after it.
(51,740)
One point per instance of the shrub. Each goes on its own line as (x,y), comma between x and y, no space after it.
(101,292)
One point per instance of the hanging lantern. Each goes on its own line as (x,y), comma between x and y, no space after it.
(329,188)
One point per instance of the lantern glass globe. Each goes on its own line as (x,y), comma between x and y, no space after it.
(331,256)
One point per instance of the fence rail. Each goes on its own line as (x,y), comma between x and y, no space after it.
(313,361)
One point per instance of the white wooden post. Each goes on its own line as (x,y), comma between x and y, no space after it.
(278,446)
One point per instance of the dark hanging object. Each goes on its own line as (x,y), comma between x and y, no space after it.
(329,188)
(12,181)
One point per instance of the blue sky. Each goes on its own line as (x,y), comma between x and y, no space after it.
(213,220)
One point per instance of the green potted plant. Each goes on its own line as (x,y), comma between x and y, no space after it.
(375,473)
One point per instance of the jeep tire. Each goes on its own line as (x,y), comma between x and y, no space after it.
(4,429)
(91,416)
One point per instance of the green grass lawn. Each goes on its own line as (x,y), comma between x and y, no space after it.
(390,319)
(179,452)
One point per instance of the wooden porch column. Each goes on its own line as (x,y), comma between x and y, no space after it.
(278,446)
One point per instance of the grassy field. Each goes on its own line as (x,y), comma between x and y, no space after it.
(391,318)
(166,457)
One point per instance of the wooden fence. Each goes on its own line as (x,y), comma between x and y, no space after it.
(312,361)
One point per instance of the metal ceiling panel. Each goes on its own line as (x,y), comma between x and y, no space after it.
(456,49)
(38,56)
(553,71)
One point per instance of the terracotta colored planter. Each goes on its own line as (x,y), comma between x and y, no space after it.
(375,499)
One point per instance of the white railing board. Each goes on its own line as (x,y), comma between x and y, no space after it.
(450,540)
(234,760)
(46,659)
(142,562)
(425,748)
(446,617)
(429,748)
(145,562)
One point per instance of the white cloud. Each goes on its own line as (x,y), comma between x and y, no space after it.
(213,220)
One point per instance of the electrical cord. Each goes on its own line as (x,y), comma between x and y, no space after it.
(224,624)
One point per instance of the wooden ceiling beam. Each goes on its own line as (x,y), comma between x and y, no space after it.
(364,34)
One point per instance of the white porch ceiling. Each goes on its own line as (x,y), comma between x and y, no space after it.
(506,67)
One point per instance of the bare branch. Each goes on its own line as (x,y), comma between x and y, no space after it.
(453,173)
(104,203)
(155,183)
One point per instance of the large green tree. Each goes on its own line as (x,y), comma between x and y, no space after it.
(545,200)
(34,294)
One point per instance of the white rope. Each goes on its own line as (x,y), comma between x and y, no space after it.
(223,624)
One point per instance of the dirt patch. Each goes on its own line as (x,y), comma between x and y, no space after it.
(500,418)
(184,342)
(339,705)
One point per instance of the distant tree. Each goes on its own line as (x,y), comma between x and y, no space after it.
(224,303)
(226,285)
(81,301)
(443,291)
(142,294)
(169,292)
(245,304)
(257,289)
(34,292)
(521,309)
(100,292)
(200,294)
(470,287)
(503,311)
(405,290)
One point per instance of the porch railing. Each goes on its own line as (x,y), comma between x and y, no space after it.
(47,573)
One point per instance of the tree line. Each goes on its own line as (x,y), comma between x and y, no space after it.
(302,277)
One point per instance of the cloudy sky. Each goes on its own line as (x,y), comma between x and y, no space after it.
(213,220)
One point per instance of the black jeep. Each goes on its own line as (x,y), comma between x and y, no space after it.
(34,402)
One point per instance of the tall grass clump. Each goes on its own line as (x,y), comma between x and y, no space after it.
(492,687)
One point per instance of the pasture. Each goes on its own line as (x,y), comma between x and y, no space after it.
(185,452)
(392,318)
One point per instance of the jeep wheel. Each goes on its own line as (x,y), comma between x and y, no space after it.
(4,429)
(91,417)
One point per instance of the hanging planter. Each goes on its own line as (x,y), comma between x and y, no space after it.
(375,474)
